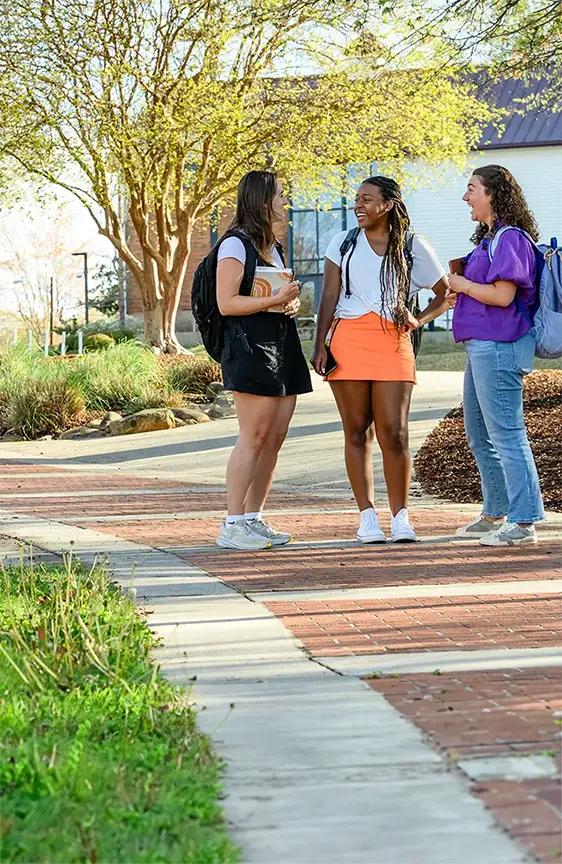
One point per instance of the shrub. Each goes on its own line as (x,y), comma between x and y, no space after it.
(43,407)
(127,378)
(192,374)
(97,342)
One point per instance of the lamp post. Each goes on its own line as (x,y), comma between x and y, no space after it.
(51,309)
(85,256)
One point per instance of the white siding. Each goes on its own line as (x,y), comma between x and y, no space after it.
(443,218)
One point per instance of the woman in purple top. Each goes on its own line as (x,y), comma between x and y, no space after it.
(494,301)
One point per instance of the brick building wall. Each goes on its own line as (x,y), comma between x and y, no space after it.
(200,246)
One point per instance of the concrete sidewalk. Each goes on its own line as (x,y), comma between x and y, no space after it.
(319,768)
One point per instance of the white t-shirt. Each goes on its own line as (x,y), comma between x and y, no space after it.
(233,247)
(365,274)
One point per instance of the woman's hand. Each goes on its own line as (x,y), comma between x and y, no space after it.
(411,323)
(319,359)
(292,308)
(458,284)
(287,293)
(451,297)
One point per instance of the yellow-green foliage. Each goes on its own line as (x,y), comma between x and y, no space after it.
(173,102)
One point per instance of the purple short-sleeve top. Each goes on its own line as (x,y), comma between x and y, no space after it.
(514,261)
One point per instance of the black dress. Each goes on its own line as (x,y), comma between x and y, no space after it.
(262,354)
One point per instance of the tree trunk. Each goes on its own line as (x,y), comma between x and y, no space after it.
(154,327)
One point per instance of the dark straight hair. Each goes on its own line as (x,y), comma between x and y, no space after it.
(256,192)
(394,267)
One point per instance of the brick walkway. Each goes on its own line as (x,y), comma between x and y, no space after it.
(472,714)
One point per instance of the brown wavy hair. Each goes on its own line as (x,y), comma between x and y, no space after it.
(507,201)
(256,192)
(394,268)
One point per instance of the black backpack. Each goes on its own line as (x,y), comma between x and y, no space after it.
(348,246)
(204,307)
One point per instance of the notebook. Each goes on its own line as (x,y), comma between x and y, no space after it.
(268,281)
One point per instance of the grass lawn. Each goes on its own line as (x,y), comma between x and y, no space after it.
(101,758)
(445,357)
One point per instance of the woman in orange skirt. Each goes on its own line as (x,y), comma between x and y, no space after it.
(368,279)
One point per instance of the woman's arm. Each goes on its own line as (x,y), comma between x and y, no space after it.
(438,305)
(230,273)
(500,293)
(328,302)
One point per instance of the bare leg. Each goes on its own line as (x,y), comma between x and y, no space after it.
(256,416)
(353,399)
(390,405)
(265,467)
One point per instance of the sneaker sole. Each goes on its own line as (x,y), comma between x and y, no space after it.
(374,539)
(281,542)
(404,539)
(227,544)
(526,541)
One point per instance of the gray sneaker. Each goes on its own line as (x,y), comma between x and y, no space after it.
(510,534)
(264,529)
(479,527)
(239,535)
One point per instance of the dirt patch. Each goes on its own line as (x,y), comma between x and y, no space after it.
(445,465)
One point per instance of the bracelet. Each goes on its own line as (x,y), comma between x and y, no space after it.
(468,288)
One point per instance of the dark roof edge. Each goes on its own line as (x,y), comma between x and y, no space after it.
(517,145)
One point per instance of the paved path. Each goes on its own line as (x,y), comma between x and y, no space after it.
(393,704)
(198,454)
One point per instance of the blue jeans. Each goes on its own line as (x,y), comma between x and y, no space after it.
(493,419)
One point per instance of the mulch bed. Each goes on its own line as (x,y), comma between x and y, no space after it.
(445,465)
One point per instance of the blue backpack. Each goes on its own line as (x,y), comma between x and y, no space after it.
(547,313)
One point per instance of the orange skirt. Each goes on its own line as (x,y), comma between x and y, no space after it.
(365,350)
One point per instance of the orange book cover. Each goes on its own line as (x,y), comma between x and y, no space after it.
(268,281)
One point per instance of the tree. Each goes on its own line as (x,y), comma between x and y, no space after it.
(168,103)
(502,38)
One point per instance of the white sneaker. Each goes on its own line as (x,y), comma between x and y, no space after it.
(402,531)
(510,534)
(479,527)
(369,530)
(264,529)
(239,535)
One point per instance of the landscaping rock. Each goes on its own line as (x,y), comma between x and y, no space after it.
(110,417)
(11,436)
(223,406)
(190,415)
(96,424)
(82,432)
(214,388)
(149,420)
(45,438)
(186,422)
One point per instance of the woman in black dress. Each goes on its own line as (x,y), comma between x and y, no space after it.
(262,360)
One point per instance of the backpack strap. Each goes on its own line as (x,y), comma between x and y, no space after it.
(348,248)
(252,259)
(493,243)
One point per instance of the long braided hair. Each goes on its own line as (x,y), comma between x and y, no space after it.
(507,201)
(395,276)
